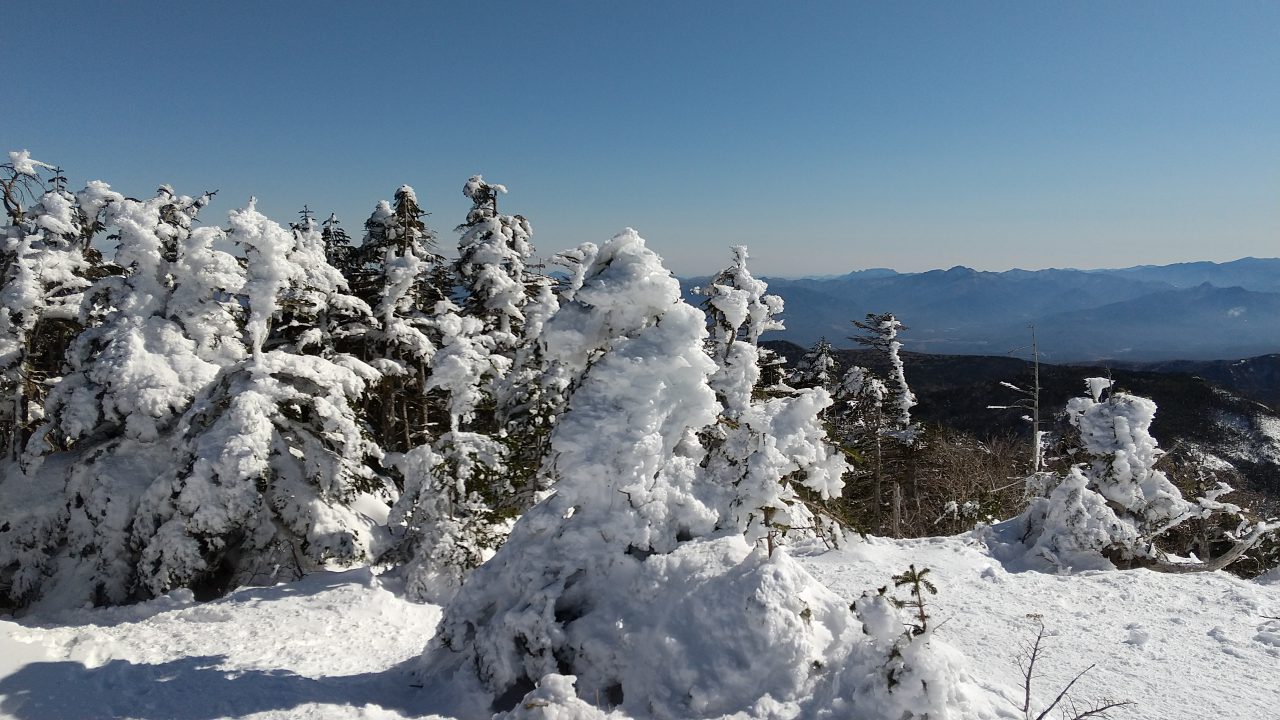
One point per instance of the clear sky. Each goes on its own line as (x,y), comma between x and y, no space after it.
(828,136)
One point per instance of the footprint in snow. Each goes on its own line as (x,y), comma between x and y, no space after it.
(1138,635)
(1269,635)
(1228,646)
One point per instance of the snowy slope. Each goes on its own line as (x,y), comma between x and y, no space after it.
(340,645)
(1179,646)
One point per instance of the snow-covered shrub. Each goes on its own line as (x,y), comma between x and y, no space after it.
(1113,502)
(553,699)
(271,468)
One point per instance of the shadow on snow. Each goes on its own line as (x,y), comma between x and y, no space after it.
(193,688)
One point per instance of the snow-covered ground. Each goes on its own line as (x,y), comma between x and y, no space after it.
(342,645)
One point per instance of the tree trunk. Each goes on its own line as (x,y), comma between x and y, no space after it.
(1223,560)
(895,519)
(877,491)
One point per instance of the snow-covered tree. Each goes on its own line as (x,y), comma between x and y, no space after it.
(818,367)
(536,390)
(492,255)
(858,425)
(317,313)
(273,459)
(513,301)
(402,266)
(881,333)
(402,278)
(46,268)
(338,249)
(631,526)
(766,454)
(525,400)
(21,182)
(622,465)
(1113,503)
(738,306)
(134,374)
(457,493)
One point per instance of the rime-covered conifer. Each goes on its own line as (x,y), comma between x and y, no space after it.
(537,388)
(1114,501)
(338,249)
(631,527)
(402,278)
(881,333)
(46,268)
(457,491)
(133,372)
(504,619)
(272,457)
(818,367)
(491,267)
(765,454)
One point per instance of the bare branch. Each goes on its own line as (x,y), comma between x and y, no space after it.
(1029,671)
(1101,710)
(1063,694)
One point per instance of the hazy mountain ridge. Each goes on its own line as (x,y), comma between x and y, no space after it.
(1188,311)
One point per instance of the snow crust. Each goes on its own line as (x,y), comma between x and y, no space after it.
(1182,647)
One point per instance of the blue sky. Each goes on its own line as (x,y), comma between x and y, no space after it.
(827,136)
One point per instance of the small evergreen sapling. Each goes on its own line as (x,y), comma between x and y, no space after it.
(917,585)
(910,676)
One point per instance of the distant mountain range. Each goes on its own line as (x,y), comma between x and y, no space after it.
(1149,313)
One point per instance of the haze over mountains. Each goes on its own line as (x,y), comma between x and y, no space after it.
(1187,311)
